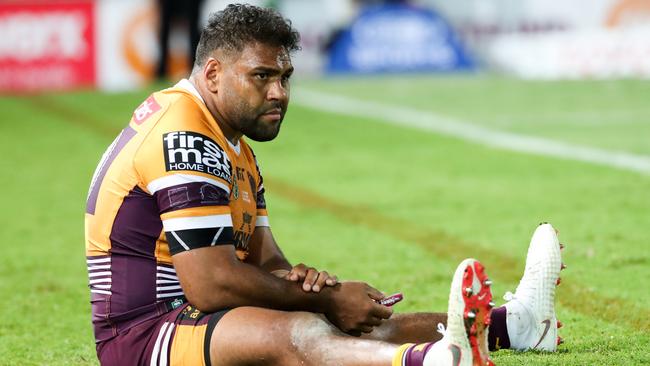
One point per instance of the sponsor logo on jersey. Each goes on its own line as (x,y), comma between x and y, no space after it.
(186,150)
(235,189)
(145,110)
(243,234)
(251,182)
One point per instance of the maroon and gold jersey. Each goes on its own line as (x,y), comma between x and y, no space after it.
(170,182)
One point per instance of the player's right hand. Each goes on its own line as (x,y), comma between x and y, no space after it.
(353,309)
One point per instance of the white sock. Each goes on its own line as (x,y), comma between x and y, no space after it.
(518,321)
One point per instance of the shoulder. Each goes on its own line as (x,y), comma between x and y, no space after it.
(183,140)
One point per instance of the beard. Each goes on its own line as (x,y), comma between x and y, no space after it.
(253,125)
(259,130)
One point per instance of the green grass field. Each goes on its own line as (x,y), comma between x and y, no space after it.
(394,206)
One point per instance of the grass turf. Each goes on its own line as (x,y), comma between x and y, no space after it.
(393,206)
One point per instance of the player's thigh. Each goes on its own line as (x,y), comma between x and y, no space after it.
(258,336)
(175,338)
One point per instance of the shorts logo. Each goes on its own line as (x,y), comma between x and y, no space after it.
(186,150)
(176,303)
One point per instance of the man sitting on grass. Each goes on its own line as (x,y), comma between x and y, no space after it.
(184,269)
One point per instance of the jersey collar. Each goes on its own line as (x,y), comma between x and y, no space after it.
(188,86)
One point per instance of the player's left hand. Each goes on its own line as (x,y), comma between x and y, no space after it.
(312,279)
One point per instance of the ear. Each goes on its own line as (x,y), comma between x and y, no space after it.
(212,71)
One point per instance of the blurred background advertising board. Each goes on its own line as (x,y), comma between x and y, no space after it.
(115,44)
(46,45)
(397,38)
(127,43)
(129,46)
(553,39)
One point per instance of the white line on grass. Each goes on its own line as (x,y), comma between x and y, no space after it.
(403,116)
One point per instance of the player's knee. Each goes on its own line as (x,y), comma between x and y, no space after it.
(307,329)
(268,337)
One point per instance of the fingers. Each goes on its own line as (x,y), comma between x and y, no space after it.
(374,321)
(354,333)
(375,294)
(366,328)
(320,281)
(310,279)
(381,311)
(324,279)
(331,280)
(384,312)
(281,273)
(298,273)
(354,308)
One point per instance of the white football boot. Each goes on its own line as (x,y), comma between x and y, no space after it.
(464,343)
(530,316)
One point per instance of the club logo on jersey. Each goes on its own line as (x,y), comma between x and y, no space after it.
(212,194)
(186,150)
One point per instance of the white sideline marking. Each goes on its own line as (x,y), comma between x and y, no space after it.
(403,116)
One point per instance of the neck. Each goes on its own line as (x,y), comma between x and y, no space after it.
(231,134)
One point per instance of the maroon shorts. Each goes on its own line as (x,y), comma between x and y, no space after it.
(180,337)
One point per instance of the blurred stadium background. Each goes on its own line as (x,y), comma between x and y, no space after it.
(420,132)
(114,45)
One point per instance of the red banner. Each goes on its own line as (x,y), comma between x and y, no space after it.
(47,45)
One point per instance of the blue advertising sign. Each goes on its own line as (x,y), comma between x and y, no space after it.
(398,38)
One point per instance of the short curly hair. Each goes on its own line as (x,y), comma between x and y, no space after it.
(240,24)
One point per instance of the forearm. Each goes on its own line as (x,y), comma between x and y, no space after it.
(264,289)
(265,252)
(234,284)
(350,306)
(213,278)
(277,263)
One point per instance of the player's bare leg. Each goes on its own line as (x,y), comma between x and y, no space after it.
(256,336)
(409,328)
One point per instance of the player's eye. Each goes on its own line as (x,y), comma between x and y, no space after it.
(262,75)
(285,79)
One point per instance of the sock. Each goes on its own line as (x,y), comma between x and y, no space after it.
(498,337)
(411,354)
